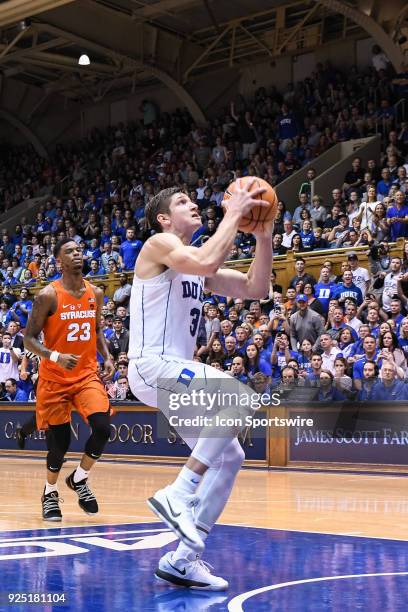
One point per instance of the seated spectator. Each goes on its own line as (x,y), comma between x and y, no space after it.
(328,391)
(341,381)
(238,369)
(13,393)
(254,362)
(330,352)
(390,350)
(389,387)
(318,212)
(319,242)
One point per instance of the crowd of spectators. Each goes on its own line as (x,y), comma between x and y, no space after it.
(96,190)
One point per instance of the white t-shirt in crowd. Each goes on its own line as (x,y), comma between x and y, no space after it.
(360,277)
(8,367)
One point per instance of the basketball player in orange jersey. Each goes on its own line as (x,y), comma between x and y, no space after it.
(68,312)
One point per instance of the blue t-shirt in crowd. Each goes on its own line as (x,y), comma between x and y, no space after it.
(287,126)
(324,293)
(398,229)
(129,251)
(308,239)
(341,292)
(397,391)
(359,365)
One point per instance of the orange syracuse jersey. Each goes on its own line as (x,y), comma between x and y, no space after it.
(71,329)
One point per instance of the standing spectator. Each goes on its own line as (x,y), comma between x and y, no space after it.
(119,341)
(129,250)
(390,288)
(246,132)
(23,307)
(108,254)
(348,289)
(305,323)
(288,234)
(397,217)
(9,358)
(301,274)
(16,337)
(121,296)
(361,276)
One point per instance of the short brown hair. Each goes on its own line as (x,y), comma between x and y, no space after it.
(159,204)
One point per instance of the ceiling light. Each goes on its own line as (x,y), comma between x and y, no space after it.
(84,60)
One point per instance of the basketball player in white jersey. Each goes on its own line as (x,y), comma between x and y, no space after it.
(165,310)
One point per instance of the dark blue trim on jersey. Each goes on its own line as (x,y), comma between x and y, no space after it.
(165,318)
(141,350)
(152,386)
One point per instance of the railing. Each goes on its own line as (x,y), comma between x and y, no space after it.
(400,107)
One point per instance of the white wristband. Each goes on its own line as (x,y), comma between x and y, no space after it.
(54,356)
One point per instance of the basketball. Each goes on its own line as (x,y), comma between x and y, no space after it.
(258,215)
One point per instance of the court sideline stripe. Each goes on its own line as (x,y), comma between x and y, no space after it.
(235,605)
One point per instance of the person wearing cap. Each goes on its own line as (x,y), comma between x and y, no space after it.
(119,341)
(108,325)
(304,323)
(361,276)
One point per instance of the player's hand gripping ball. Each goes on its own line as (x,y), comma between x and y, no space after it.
(258,215)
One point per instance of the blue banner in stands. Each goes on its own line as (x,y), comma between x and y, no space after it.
(133,432)
(352,434)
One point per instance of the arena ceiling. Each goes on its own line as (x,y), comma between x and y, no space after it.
(132,43)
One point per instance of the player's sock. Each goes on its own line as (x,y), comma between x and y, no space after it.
(80,474)
(185,553)
(49,488)
(186,482)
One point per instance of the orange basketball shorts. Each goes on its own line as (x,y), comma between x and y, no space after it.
(56,401)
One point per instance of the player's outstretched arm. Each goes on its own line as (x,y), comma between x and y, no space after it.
(255,283)
(167,249)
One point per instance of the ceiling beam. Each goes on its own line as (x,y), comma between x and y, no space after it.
(13,11)
(162,8)
(127,61)
(21,53)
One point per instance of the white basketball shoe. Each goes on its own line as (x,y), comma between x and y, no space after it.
(190,574)
(177,513)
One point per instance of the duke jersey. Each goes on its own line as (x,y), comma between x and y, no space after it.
(165,313)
